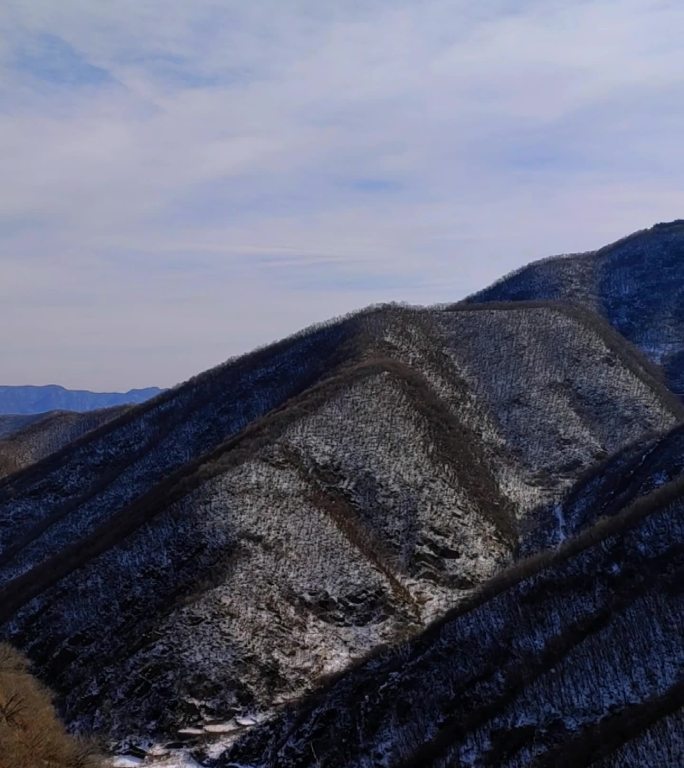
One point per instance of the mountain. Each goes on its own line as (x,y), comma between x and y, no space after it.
(10,425)
(607,488)
(27,439)
(30,399)
(637,284)
(409,536)
(216,552)
(572,657)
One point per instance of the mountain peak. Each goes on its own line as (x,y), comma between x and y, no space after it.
(635,283)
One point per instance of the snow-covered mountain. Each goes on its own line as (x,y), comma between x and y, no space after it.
(51,397)
(425,485)
(637,284)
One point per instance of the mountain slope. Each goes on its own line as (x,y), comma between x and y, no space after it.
(607,488)
(571,658)
(124,459)
(40,399)
(484,365)
(401,452)
(637,284)
(9,425)
(27,439)
(262,562)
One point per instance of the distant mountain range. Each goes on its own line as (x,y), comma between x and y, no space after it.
(51,397)
(407,537)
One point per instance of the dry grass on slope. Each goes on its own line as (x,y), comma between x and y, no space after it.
(31,735)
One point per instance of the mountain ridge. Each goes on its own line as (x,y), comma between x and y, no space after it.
(38,399)
(355,468)
(451,501)
(636,283)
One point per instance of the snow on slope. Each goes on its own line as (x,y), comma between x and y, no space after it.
(570,658)
(637,284)
(390,484)
(607,488)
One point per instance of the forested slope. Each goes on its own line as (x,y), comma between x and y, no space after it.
(571,658)
(607,488)
(25,440)
(637,284)
(215,552)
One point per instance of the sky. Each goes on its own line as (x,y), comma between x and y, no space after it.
(182,181)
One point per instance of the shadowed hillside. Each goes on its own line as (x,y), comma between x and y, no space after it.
(25,440)
(9,425)
(607,488)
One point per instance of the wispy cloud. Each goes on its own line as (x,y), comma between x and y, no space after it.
(181,181)
(48,58)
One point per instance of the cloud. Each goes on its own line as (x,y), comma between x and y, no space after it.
(50,59)
(182,181)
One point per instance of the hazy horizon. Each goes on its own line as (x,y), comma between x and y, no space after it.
(184,182)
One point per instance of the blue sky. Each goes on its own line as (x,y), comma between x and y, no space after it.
(183,181)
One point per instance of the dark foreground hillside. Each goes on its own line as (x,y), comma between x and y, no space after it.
(637,284)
